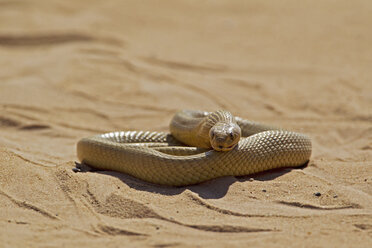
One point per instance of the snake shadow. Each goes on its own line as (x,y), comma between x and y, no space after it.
(212,189)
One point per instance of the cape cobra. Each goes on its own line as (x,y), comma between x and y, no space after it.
(160,158)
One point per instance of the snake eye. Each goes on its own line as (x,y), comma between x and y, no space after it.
(212,135)
(231,135)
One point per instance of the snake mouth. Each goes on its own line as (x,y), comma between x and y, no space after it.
(224,149)
(230,147)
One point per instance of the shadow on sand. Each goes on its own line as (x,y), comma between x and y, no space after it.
(212,189)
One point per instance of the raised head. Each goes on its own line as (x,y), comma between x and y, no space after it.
(224,136)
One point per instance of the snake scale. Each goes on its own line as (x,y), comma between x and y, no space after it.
(160,158)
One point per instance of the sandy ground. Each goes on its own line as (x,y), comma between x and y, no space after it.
(71,69)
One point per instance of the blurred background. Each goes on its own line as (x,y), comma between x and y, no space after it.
(82,67)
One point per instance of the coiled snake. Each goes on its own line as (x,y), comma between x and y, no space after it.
(160,158)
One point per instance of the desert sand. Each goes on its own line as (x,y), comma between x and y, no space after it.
(71,69)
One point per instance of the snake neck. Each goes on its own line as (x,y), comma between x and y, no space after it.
(219,116)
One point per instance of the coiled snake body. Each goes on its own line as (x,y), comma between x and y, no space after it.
(158,157)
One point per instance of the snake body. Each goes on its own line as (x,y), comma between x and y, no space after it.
(160,158)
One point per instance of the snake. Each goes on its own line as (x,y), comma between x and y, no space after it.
(200,146)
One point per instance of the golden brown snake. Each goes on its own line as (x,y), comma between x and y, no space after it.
(158,157)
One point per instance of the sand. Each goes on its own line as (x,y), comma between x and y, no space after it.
(71,69)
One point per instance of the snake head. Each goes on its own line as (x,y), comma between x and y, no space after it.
(224,136)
